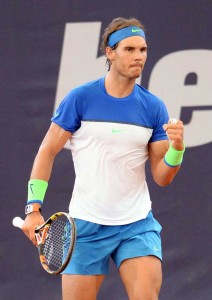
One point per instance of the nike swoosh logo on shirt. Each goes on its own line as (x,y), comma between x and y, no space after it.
(118,130)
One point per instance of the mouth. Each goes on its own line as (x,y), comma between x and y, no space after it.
(136,66)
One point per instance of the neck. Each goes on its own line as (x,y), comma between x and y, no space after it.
(118,86)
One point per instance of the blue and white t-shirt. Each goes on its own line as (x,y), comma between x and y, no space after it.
(109,147)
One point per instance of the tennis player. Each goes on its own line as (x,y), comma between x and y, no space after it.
(114,126)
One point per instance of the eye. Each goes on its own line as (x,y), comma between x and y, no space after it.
(143,50)
(129,49)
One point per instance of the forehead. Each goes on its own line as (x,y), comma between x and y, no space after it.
(133,41)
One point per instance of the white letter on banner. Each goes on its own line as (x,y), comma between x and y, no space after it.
(79,62)
(167,81)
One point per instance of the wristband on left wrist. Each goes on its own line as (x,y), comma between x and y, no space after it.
(36,191)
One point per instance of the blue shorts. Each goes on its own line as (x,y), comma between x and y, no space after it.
(96,243)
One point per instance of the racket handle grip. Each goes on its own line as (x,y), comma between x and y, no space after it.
(18,222)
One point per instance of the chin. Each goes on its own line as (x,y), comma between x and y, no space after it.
(135,76)
(138,75)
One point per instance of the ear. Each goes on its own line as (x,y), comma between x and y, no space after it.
(110,53)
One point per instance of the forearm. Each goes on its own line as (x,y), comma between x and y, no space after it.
(165,161)
(40,175)
(163,174)
(43,164)
(52,144)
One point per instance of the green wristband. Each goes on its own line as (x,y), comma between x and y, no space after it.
(36,191)
(174,157)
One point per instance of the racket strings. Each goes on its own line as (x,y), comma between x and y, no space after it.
(53,246)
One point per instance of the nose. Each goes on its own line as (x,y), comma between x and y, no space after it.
(139,55)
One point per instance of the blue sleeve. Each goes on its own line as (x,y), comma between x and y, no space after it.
(68,115)
(161,117)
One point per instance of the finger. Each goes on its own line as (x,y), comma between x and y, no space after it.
(31,236)
(33,239)
(173,130)
(173,126)
(171,121)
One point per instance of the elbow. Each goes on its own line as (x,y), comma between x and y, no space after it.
(47,150)
(163,182)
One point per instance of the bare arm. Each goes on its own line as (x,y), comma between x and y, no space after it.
(161,172)
(52,144)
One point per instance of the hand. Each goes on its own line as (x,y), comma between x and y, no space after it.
(32,220)
(175,132)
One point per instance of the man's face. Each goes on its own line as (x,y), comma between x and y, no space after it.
(129,58)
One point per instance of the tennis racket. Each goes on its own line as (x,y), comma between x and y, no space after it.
(55,239)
